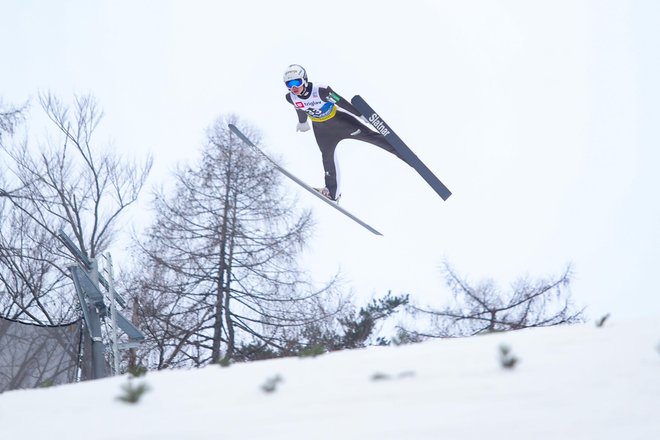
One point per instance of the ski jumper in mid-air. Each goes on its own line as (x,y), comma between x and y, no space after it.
(333,119)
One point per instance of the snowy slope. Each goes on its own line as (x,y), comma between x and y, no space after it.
(572,382)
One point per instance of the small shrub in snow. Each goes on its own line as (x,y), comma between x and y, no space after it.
(507,360)
(404,337)
(132,392)
(380,376)
(47,383)
(312,351)
(271,384)
(601,321)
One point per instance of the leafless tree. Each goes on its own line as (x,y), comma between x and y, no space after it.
(70,183)
(218,266)
(32,288)
(485,308)
(10,117)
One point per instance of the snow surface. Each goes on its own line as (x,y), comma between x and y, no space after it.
(571,382)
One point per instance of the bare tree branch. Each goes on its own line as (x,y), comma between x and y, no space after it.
(484,308)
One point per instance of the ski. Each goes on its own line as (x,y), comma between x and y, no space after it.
(395,141)
(311,190)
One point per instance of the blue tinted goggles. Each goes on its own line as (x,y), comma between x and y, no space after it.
(294,83)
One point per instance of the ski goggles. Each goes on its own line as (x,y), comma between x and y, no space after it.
(294,83)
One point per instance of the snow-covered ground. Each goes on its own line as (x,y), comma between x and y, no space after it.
(571,382)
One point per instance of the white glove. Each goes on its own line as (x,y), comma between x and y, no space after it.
(302,126)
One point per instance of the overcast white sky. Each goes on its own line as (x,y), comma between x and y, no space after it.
(541,117)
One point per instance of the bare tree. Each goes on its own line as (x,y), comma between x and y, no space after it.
(31,286)
(69,183)
(10,117)
(485,308)
(218,267)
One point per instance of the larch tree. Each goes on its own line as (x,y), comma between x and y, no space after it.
(219,265)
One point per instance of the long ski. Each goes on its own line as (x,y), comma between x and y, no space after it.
(401,148)
(311,190)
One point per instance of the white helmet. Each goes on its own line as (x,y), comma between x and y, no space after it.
(295,71)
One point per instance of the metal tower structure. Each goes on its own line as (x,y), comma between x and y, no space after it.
(93,290)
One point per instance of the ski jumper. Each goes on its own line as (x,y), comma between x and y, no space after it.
(333,119)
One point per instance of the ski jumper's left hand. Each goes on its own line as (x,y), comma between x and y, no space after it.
(303,126)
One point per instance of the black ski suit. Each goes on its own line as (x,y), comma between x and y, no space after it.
(331,126)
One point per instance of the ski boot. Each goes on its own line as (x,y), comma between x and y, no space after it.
(325,192)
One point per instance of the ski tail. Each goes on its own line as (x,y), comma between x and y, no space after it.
(395,141)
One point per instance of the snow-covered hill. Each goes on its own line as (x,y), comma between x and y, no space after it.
(571,382)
